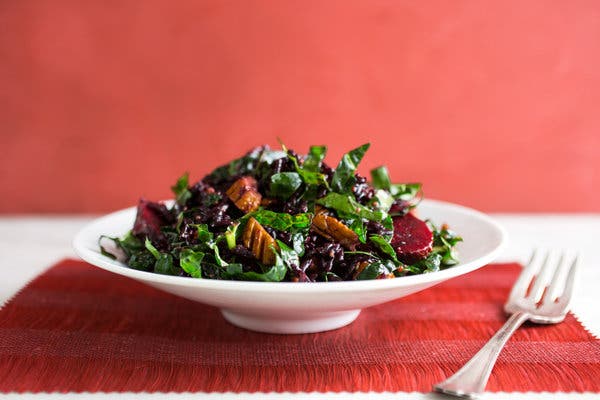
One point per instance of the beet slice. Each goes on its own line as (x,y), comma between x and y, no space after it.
(149,220)
(412,239)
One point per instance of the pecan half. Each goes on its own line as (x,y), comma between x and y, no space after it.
(333,229)
(244,194)
(260,243)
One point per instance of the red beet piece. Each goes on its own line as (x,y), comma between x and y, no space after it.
(148,221)
(412,239)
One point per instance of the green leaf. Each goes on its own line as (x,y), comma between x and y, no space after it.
(269,155)
(347,205)
(220,262)
(191,262)
(231,234)
(179,222)
(314,159)
(164,264)
(380,178)
(129,244)
(343,177)
(204,234)
(384,245)
(283,221)
(310,172)
(430,264)
(180,189)
(358,226)
(271,275)
(211,199)
(382,200)
(164,261)
(277,272)
(150,247)
(405,191)
(388,223)
(444,242)
(309,177)
(289,256)
(376,269)
(142,260)
(284,184)
(234,270)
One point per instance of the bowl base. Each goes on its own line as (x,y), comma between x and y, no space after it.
(290,324)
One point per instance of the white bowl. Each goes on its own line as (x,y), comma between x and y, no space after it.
(286,307)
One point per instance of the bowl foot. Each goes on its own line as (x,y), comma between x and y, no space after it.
(291,324)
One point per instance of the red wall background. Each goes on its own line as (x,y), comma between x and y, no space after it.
(493,105)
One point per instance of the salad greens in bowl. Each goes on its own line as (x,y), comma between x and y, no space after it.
(273,215)
(284,243)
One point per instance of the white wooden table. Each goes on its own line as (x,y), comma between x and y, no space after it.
(30,244)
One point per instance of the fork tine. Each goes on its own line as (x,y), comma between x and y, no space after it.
(554,287)
(541,279)
(532,257)
(565,298)
(524,280)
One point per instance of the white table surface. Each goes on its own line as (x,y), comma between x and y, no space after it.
(30,244)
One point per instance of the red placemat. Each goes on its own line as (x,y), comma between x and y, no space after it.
(79,328)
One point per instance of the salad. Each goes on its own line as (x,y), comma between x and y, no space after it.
(275,215)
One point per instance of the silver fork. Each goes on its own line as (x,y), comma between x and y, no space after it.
(541,294)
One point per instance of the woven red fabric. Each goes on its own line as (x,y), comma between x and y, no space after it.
(79,328)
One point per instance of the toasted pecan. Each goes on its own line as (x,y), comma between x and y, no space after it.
(260,243)
(333,229)
(244,194)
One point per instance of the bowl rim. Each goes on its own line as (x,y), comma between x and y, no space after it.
(81,245)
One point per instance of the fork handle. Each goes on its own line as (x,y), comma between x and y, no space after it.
(472,378)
